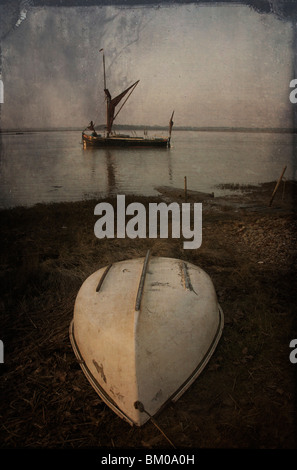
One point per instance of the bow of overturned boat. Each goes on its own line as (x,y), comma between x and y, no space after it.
(143,330)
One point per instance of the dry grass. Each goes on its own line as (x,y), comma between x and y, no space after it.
(244,398)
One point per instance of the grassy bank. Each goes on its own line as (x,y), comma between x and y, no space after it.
(245,397)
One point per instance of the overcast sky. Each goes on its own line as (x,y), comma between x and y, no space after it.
(215,65)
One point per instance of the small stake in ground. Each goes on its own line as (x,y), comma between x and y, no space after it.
(277,185)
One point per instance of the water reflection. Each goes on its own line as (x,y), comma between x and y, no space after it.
(133,170)
(53,166)
(111,174)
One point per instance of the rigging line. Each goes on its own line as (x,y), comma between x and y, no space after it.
(126,100)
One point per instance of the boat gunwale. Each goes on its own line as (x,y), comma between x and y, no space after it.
(117,140)
(95,384)
(202,364)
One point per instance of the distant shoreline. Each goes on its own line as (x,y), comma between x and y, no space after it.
(158,128)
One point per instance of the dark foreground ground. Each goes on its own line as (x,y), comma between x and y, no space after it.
(245,397)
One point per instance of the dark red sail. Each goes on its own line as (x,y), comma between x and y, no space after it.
(113,102)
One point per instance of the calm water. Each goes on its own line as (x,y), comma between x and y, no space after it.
(53,166)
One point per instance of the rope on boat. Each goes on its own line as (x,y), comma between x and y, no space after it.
(139,406)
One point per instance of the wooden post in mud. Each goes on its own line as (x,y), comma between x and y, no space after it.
(277,185)
(186,194)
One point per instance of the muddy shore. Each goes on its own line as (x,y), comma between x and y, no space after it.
(245,397)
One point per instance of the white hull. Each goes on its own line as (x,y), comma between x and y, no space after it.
(143,330)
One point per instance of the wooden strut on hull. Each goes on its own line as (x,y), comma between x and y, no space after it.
(103,277)
(141,283)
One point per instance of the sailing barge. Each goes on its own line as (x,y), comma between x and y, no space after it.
(111,139)
(143,330)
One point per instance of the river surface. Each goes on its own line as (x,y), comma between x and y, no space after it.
(53,166)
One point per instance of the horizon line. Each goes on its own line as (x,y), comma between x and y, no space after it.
(156,127)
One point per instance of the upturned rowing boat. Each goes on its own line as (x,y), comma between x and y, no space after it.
(143,330)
